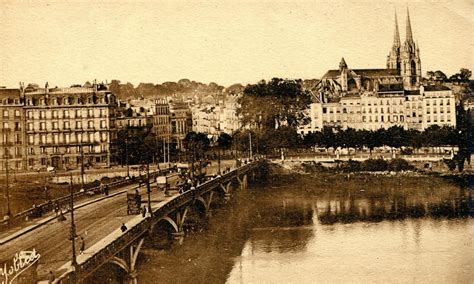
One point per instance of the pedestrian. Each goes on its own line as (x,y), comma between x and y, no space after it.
(106,190)
(51,277)
(143,211)
(123,228)
(82,245)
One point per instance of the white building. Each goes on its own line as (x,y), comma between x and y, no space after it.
(418,109)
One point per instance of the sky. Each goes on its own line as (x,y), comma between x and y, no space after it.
(225,42)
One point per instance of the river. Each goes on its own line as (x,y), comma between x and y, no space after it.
(327,228)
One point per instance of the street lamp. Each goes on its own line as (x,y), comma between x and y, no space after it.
(148,189)
(126,157)
(7,156)
(82,167)
(73,227)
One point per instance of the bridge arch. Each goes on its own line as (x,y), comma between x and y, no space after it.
(171,222)
(120,263)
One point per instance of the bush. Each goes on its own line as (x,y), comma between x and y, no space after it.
(350,166)
(450,163)
(399,165)
(374,165)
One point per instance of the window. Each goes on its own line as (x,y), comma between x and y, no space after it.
(66,114)
(78,113)
(79,137)
(43,126)
(67,137)
(17,126)
(17,113)
(29,114)
(102,113)
(66,125)
(91,137)
(90,124)
(325,110)
(55,114)
(5,113)
(42,114)
(102,124)
(43,139)
(31,139)
(56,138)
(30,126)
(78,124)
(5,125)
(90,113)
(55,125)
(103,136)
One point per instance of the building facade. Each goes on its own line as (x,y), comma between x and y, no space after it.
(65,127)
(181,123)
(12,123)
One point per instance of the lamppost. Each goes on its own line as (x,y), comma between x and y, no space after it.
(250,143)
(126,157)
(7,156)
(73,227)
(148,189)
(82,167)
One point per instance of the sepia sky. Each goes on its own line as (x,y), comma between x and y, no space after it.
(221,41)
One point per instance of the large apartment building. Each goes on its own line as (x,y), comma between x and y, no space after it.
(12,123)
(420,109)
(59,127)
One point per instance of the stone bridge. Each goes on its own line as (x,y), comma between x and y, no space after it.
(122,248)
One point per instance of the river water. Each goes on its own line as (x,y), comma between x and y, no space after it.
(327,229)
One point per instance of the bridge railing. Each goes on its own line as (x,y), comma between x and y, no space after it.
(105,249)
(64,202)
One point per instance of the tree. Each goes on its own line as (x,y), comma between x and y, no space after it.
(430,75)
(196,143)
(224,141)
(274,103)
(465,74)
(462,76)
(136,145)
(440,76)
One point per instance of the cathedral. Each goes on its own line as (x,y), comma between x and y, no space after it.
(403,71)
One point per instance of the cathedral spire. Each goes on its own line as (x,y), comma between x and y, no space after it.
(396,36)
(409,36)
(342,64)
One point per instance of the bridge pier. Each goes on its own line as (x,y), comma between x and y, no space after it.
(176,220)
(127,261)
(243,182)
(226,190)
(206,200)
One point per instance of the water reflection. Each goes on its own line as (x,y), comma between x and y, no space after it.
(359,230)
(348,208)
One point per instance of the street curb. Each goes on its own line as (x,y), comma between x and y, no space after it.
(49,219)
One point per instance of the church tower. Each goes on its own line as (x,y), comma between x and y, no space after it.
(343,79)
(393,59)
(410,68)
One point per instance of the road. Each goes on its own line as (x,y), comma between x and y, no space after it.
(93,222)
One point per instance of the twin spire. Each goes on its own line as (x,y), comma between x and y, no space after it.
(409,35)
